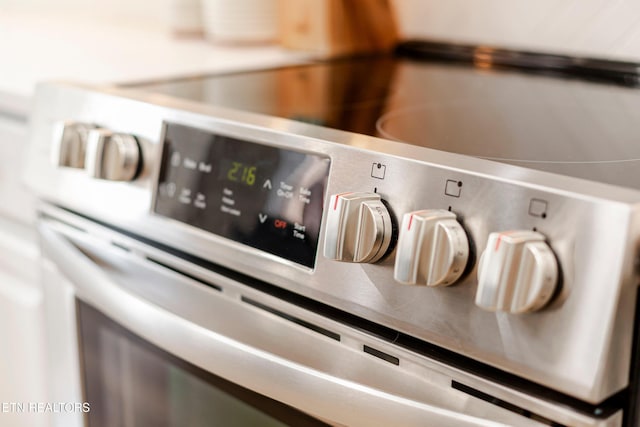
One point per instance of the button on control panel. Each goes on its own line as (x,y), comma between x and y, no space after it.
(433,249)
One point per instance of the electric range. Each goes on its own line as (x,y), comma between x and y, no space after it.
(484,219)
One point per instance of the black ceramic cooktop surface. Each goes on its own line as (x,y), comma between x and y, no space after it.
(563,125)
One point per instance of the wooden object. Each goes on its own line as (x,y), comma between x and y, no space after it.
(338,27)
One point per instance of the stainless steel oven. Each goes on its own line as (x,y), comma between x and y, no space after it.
(147,339)
(207,265)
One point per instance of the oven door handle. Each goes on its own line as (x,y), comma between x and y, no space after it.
(336,400)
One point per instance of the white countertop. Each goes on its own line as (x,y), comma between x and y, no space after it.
(41,47)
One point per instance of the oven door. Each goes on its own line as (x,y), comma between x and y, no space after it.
(136,342)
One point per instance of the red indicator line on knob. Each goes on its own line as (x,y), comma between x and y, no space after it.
(335,203)
(500,239)
(410,221)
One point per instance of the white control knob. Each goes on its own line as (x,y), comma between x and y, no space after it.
(518,272)
(69,144)
(432,249)
(112,156)
(359,228)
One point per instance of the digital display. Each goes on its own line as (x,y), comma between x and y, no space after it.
(265,197)
(239,172)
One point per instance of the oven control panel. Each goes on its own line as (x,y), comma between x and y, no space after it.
(271,199)
(265,197)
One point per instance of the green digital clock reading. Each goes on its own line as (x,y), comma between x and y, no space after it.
(240,172)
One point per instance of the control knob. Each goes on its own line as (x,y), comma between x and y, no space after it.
(359,228)
(69,144)
(432,249)
(112,156)
(518,272)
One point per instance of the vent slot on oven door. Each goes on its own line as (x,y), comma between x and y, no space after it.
(304,323)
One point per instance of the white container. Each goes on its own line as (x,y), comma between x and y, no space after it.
(240,21)
(185,18)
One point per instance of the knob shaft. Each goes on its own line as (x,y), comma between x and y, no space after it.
(359,228)
(433,249)
(112,156)
(518,272)
(69,144)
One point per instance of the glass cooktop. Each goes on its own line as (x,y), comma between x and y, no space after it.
(569,126)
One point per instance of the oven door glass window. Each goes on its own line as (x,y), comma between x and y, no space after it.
(131,383)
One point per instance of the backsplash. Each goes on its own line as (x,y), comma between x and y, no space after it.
(597,28)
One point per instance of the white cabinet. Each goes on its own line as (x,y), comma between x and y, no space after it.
(22,344)
(15,201)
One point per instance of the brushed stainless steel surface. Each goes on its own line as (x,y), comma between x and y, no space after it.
(433,249)
(69,143)
(517,273)
(592,228)
(233,335)
(111,156)
(193,322)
